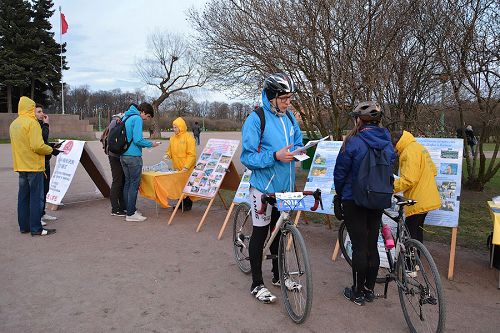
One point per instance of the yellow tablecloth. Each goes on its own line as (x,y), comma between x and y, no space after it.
(161,187)
(496,221)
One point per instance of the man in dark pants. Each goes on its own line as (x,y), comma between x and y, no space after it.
(43,119)
(118,178)
(196,132)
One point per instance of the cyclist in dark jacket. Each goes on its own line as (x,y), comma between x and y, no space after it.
(362,223)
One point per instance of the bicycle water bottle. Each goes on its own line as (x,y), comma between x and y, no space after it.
(386,232)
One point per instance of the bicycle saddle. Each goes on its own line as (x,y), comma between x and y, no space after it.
(402,201)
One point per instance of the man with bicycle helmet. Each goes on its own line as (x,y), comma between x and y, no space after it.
(362,223)
(268,154)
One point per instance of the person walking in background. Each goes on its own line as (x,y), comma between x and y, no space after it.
(118,206)
(417,174)
(182,152)
(43,120)
(196,132)
(362,223)
(471,139)
(131,160)
(28,157)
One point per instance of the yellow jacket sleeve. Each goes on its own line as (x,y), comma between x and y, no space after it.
(36,141)
(409,166)
(190,152)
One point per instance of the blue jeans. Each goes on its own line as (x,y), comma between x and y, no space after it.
(132,169)
(30,201)
(197,138)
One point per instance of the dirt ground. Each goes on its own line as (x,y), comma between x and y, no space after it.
(99,273)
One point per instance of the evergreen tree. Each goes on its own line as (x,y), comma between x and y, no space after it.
(15,46)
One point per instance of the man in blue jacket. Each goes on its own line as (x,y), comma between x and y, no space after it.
(269,156)
(131,160)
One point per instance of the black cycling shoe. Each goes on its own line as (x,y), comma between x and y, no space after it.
(358,299)
(369,295)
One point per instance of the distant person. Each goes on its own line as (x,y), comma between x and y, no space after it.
(182,152)
(43,120)
(196,132)
(28,157)
(416,172)
(118,206)
(131,160)
(471,139)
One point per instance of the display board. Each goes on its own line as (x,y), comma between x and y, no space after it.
(243,191)
(66,163)
(211,168)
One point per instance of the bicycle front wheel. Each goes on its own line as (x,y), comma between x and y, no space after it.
(295,274)
(242,230)
(419,288)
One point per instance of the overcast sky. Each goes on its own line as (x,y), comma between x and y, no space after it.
(106,37)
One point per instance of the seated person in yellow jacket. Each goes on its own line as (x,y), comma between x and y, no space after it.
(417,172)
(182,152)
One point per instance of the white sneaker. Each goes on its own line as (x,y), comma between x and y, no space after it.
(135,218)
(43,223)
(49,217)
(138,212)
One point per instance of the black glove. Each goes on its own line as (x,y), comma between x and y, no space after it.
(337,207)
(55,152)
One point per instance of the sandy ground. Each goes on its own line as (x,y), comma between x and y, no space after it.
(101,274)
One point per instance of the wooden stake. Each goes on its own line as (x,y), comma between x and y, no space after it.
(205,215)
(453,247)
(179,202)
(336,250)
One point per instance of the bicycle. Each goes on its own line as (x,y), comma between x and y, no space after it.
(293,260)
(415,273)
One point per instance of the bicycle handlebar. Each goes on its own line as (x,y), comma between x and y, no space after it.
(270,198)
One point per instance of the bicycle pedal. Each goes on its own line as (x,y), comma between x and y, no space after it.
(271,256)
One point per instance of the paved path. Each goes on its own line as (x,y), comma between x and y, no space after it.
(101,274)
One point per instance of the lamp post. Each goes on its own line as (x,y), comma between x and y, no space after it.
(443,78)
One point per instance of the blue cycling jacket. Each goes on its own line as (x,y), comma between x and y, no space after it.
(349,161)
(133,127)
(278,133)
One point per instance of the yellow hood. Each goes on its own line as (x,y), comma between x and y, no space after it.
(26,107)
(179,122)
(404,141)
(182,147)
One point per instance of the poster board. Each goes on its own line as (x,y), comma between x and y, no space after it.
(213,171)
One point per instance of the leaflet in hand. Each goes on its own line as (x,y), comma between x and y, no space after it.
(310,144)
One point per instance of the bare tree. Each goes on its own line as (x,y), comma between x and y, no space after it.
(170,66)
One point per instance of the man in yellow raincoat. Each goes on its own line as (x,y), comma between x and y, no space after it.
(182,152)
(417,172)
(28,157)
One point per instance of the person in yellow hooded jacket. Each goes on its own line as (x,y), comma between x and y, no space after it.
(182,152)
(417,173)
(28,157)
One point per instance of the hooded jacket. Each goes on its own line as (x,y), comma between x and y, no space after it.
(133,127)
(349,160)
(182,148)
(278,133)
(417,172)
(28,148)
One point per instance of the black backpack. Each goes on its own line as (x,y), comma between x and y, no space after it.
(373,187)
(117,137)
(262,117)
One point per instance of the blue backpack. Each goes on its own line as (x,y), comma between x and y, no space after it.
(373,187)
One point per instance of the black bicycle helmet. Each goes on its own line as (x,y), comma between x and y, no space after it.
(368,111)
(278,84)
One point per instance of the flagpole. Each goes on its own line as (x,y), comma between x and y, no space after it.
(60,54)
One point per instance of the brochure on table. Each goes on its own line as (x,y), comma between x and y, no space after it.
(211,167)
(161,167)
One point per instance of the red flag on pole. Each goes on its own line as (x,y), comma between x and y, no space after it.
(64,24)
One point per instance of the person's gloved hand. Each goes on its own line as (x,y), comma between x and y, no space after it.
(337,207)
(55,152)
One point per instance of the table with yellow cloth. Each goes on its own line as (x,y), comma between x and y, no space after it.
(161,187)
(495,216)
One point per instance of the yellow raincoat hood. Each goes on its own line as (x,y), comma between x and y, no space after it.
(182,148)
(417,172)
(28,148)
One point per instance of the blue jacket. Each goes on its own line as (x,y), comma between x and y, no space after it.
(278,133)
(134,133)
(348,161)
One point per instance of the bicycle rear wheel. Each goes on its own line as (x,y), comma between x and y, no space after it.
(345,243)
(419,288)
(295,274)
(242,230)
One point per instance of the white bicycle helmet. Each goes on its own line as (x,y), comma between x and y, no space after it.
(278,84)
(368,111)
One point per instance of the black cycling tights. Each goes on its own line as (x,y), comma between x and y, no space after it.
(363,227)
(415,225)
(259,236)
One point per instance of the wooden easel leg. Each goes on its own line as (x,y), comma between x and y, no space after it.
(328,222)
(205,215)
(175,209)
(453,247)
(336,250)
(222,199)
(228,215)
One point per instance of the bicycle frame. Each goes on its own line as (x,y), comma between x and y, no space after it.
(284,218)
